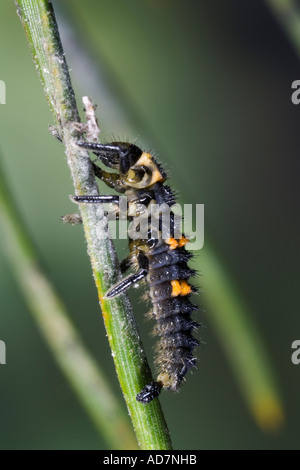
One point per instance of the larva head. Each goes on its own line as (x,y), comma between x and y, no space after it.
(137,169)
(144,172)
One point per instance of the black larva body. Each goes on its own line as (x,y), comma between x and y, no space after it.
(172,314)
(161,262)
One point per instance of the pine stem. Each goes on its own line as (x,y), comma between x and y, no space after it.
(66,345)
(37,17)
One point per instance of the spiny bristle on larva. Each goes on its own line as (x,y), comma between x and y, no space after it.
(178,340)
(169,257)
(177,323)
(172,309)
(160,292)
(174,368)
(169,273)
(172,306)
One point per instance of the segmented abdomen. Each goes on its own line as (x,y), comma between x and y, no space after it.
(171,310)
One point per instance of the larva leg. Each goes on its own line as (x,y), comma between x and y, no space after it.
(149,392)
(107,153)
(126,283)
(112,180)
(118,155)
(97,199)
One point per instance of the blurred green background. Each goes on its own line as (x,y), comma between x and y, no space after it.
(208,86)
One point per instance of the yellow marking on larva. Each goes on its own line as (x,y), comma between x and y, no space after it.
(131,174)
(147,161)
(176,288)
(185,288)
(180,288)
(177,243)
(173,243)
(183,241)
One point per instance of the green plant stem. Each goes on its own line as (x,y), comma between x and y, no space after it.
(37,17)
(87,379)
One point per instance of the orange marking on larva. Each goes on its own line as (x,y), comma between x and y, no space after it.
(185,288)
(183,241)
(173,243)
(180,288)
(176,288)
